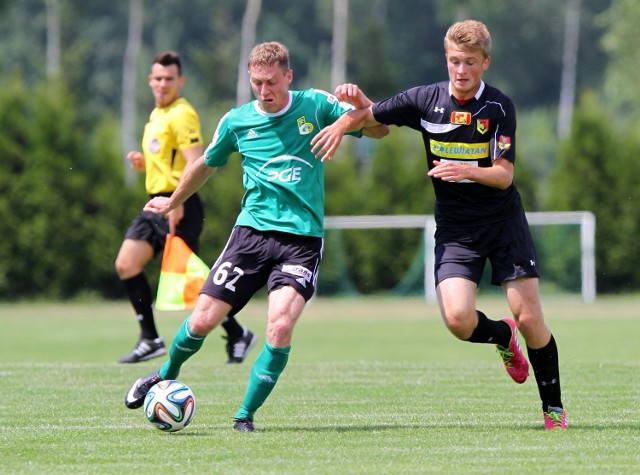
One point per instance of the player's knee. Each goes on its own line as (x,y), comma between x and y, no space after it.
(279,332)
(461,332)
(530,323)
(200,324)
(460,325)
(122,268)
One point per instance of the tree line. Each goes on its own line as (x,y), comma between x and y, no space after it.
(63,205)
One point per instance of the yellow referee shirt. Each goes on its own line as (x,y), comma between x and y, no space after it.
(169,132)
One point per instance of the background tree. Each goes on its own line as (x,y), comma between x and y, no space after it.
(390,46)
(249,21)
(597,171)
(570,54)
(621,21)
(53,38)
(59,203)
(339,42)
(129,77)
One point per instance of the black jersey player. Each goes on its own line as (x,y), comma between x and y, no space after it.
(468,129)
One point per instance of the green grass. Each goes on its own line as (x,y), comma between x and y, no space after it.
(373,385)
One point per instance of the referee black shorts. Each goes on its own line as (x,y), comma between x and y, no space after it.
(252,259)
(462,251)
(154,228)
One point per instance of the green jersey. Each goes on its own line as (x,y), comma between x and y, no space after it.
(283,181)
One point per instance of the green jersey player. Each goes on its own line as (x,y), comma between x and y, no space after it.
(278,237)
(284,182)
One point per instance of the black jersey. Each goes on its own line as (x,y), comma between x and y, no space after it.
(474,133)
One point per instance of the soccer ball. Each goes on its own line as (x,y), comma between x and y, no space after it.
(170,405)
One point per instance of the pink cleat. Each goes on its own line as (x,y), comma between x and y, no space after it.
(555,418)
(514,361)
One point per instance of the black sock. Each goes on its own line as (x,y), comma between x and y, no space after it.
(544,362)
(140,296)
(232,327)
(495,332)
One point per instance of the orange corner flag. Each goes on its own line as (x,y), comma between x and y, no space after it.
(182,275)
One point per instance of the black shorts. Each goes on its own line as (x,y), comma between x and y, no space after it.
(254,258)
(154,228)
(463,251)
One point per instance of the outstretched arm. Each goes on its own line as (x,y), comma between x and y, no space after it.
(353,94)
(376,131)
(327,141)
(193,177)
(175,215)
(325,144)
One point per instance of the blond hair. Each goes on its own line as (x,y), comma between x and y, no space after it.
(268,54)
(468,35)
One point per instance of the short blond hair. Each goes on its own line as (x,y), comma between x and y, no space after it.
(268,54)
(468,35)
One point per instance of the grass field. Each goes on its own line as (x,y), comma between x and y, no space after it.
(373,385)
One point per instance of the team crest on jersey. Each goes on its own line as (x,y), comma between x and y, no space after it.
(504,142)
(154,145)
(304,127)
(482,125)
(461,118)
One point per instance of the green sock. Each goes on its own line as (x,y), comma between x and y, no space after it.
(185,344)
(265,372)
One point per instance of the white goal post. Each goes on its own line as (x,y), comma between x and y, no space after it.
(585,219)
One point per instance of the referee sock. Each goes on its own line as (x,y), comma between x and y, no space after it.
(495,332)
(546,368)
(141,298)
(185,344)
(265,373)
(232,327)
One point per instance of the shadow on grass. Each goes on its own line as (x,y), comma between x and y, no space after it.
(204,431)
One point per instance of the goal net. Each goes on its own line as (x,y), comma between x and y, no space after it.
(394,254)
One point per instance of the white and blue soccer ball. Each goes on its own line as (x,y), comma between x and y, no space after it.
(170,405)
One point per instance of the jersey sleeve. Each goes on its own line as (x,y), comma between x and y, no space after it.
(333,109)
(222,145)
(403,109)
(503,141)
(187,128)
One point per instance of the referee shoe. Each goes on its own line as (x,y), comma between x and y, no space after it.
(237,349)
(144,350)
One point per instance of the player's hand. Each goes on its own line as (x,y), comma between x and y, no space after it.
(327,141)
(352,94)
(175,216)
(448,171)
(158,205)
(136,159)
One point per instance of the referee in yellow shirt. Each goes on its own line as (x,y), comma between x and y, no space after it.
(172,140)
